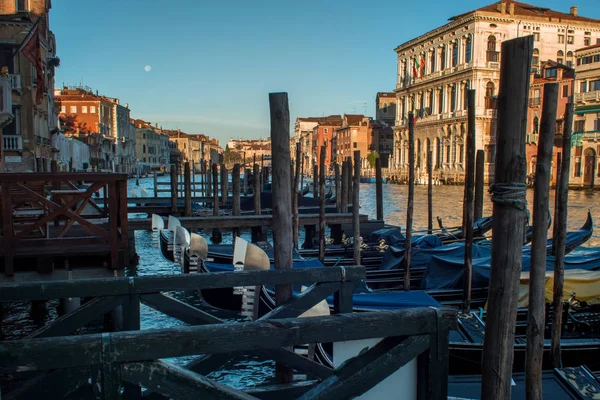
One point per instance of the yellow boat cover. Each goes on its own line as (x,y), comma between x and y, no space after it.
(585,284)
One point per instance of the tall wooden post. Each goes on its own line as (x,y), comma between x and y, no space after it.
(379,189)
(282,202)
(246,173)
(350,180)
(322,203)
(257,233)
(479,165)
(562,192)
(174,188)
(338,187)
(556,199)
(224,184)
(155,180)
(216,236)
(296,221)
(187,183)
(468,202)
(235,203)
(315,181)
(355,207)
(411,197)
(537,275)
(429,189)
(301,174)
(508,195)
(209,192)
(345,183)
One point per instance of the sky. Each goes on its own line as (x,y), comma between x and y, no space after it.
(208,66)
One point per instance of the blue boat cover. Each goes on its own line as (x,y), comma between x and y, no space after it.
(216,267)
(391,300)
(390,235)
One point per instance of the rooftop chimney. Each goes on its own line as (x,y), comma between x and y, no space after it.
(511,8)
(574,11)
(501,6)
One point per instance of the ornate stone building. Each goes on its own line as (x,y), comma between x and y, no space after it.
(436,69)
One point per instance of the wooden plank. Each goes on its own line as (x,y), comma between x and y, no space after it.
(152,284)
(286,391)
(378,189)
(297,362)
(7,228)
(479,184)
(86,313)
(179,383)
(342,299)
(468,201)
(282,203)
(411,197)
(86,350)
(537,275)
(361,373)
(55,384)
(562,194)
(131,322)
(303,301)
(509,217)
(355,208)
(322,156)
(178,309)
(111,373)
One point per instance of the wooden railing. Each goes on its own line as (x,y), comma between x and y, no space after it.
(105,363)
(45,214)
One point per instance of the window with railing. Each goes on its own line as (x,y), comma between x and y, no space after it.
(492,55)
(490,99)
(454,54)
(468,49)
(579,126)
(443,58)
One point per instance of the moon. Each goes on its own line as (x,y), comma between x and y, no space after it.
(147,68)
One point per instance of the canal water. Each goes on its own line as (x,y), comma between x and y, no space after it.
(249,371)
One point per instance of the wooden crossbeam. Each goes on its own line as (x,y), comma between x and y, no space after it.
(361,373)
(179,310)
(77,318)
(55,384)
(179,383)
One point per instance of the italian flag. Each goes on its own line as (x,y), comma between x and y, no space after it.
(416,67)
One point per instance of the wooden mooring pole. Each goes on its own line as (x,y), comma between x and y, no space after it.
(257,234)
(282,203)
(174,188)
(479,165)
(302,174)
(562,192)
(429,189)
(246,173)
(187,189)
(216,236)
(537,271)
(235,203)
(338,187)
(345,184)
(378,189)
(468,202)
(155,180)
(224,184)
(508,196)
(356,207)
(411,197)
(315,181)
(209,180)
(322,203)
(296,220)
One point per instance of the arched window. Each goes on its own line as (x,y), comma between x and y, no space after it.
(432,61)
(536,125)
(570,59)
(454,54)
(468,49)
(144,148)
(443,58)
(453,98)
(490,90)
(535,60)
(560,57)
(492,54)
(441,101)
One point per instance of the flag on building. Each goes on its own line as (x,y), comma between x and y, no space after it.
(31,49)
(422,65)
(416,67)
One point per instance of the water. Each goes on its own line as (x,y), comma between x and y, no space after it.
(249,371)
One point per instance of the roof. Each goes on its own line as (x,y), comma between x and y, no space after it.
(353,119)
(527,10)
(386,94)
(595,46)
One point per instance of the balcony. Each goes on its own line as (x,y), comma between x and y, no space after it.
(587,97)
(592,135)
(15,81)
(12,142)
(535,102)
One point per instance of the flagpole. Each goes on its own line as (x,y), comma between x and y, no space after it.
(27,37)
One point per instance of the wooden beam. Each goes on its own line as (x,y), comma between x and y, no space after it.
(468,202)
(537,275)
(18,291)
(55,384)
(88,312)
(63,176)
(178,309)
(411,197)
(378,189)
(479,185)
(361,373)
(303,301)
(356,207)
(87,350)
(322,157)
(176,382)
(509,214)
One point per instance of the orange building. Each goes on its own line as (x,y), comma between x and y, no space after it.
(357,133)
(323,135)
(550,72)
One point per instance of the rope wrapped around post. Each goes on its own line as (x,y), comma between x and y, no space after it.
(511,194)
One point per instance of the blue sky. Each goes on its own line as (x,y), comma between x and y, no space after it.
(213,63)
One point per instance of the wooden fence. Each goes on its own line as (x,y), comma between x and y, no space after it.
(115,365)
(45,214)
